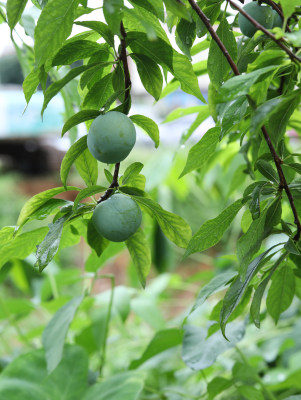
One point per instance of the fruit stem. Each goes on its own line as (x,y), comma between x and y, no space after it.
(113,185)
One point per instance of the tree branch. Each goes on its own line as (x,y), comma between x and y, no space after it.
(277,160)
(292,56)
(127,85)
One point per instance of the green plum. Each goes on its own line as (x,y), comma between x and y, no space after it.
(117,218)
(111,137)
(262,14)
(277,20)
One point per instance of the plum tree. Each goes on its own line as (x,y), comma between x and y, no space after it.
(111,137)
(117,218)
(262,14)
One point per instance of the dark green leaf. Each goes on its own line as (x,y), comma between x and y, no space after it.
(30,84)
(178,9)
(267,170)
(217,386)
(87,167)
(281,292)
(14,9)
(96,241)
(100,28)
(212,231)
(218,66)
(163,340)
(132,171)
(49,208)
(232,114)
(150,74)
(74,51)
(81,116)
(153,6)
(140,253)
(185,35)
(56,331)
(72,154)
(88,192)
(201,152)
(173,226)
(148,125)
(53,27)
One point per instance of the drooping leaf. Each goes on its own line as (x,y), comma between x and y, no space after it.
(73,51)
(212,230)
(30,84)
(48,248)
(81,116)
(281,292)
(218,66)
(72,154)
(96,241)
(163,340)
(86,166)
(33,204)
(200,153)
(267,170)
(100,28)
(148,125)
(140,253)
(54,335)
(173,226)
(53,27)
(185,35)
(14,9)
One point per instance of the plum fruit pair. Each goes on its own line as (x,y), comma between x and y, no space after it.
(110,140)
(264,15)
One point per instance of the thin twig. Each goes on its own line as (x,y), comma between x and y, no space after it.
(127,85)
(263,29)
(277,160)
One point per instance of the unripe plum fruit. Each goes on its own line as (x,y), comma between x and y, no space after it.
(111,137)
(277,20)
(117,218)
(262,14)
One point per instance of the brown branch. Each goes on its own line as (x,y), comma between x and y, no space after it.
(127,85)
(269,34)
(277,160)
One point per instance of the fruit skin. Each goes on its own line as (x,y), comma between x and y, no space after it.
(111,137)
(262,14)
(277,20)
(117,218)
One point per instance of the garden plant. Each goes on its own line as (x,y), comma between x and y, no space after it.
(242,200)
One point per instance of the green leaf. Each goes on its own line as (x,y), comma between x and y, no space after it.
(33,204)
(72,154)
(87,167)
(77,50)
(88,192)
(281,292)
(232,114)
(14,9)
(218,66)
(22,245)
(289,6)
(182,112)
(99,93)
(173,226)
(267,170)
(212,231)
(93,262)
(49,246)
(131,172)
(239,287)
(217,386)
(153,6)
(200,153)
(185,35)
(295,166)
(148,125)
(100,28)
(250,392)
(163,340)
(125,386)
(56,87)
(250,242)
(6,234)
(178,9)
(78,118)
(30,84)
(240,85)
(201,117)
(162,53)
(216,284)
(53,27)
(96,241)
(54,335)
(140,253)
(49,208)
(259,292)
(150,74)
(200,352)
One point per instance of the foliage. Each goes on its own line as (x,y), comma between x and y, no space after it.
(253,169)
